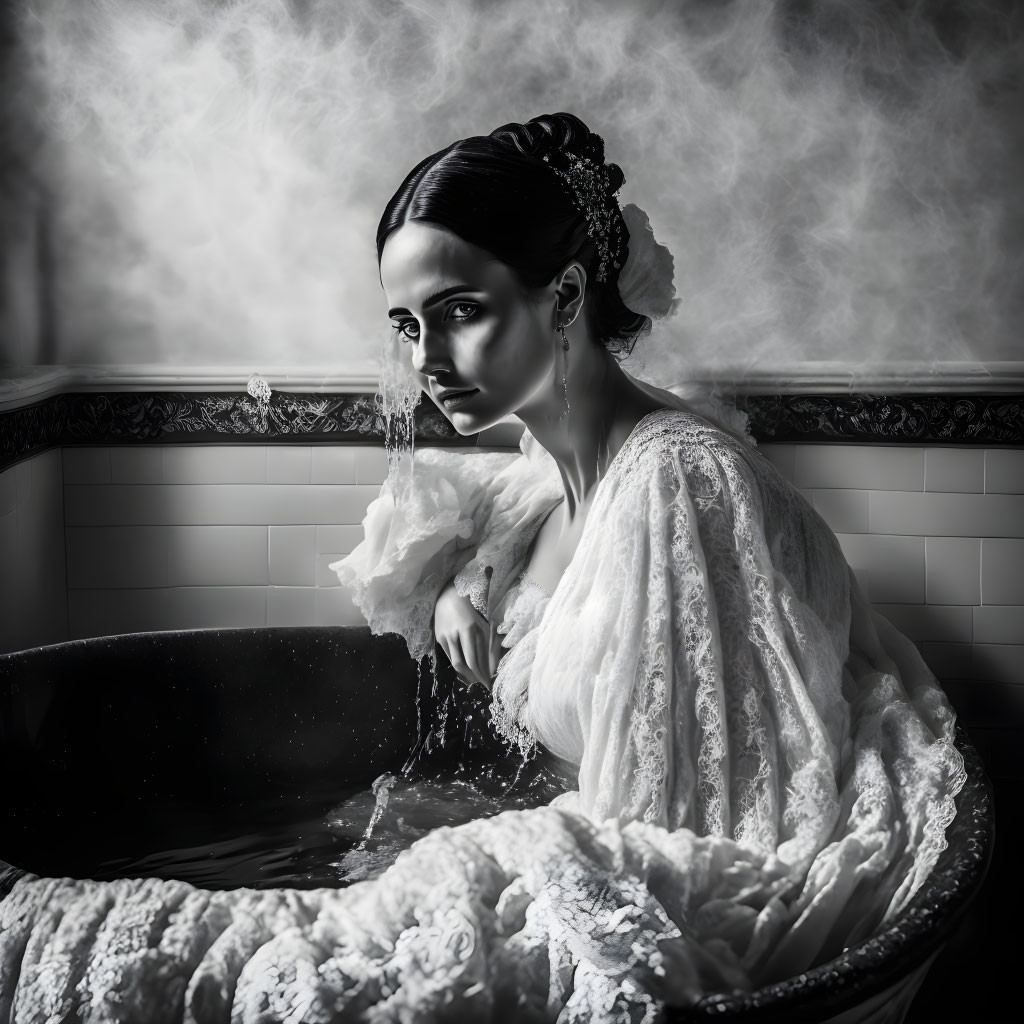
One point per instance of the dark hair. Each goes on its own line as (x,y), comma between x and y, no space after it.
(497,192)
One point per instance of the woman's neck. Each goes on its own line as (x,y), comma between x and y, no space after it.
(604,406)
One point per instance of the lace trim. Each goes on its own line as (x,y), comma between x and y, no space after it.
(524,609)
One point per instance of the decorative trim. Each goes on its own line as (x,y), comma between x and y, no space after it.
(195,418)
(188,417)
(888,419)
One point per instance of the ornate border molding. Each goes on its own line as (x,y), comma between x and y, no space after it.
(189,417)
(888,419)
(172,417)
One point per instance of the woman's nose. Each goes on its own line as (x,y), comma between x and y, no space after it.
(430,354)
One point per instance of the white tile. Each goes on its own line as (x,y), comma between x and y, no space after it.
(334,464)
(948,661)
(214,464)
(106,557)
(1004,470)
(291,555)
(23,478)
(217,504)
(40,564)
(289,464)
(334,607)
(1002,571)
(844,511)
(8,490)
(1000,663)
(111,505)
(44,623)
(36,470)
(946,515)
(874,467)
(999,624)
(212,607)
(111,612)
(326,577)
(291,606)
(371,464)
(954,469)
(920,622)
(890,569)
(86,465)
(782,457)
(342,539)
(48,467)
(952,570)
(136,465)
(9,529)
(216,556)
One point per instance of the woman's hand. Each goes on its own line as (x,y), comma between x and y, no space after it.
(466,637)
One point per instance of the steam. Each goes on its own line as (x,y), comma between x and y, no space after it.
(838,180)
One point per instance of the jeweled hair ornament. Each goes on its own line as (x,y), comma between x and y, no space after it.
(626,247)
(590,189)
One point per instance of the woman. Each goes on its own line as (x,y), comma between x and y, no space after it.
(650,601)
(759,768)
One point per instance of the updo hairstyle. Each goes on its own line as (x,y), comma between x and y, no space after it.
(497,192)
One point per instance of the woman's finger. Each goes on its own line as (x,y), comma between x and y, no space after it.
(458,661)
(483,658)
(471,652)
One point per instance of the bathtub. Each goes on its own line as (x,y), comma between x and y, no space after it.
(117,746)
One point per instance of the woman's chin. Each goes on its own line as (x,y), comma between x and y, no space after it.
(466,423)
(469,421)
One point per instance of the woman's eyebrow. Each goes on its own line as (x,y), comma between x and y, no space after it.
(436,297)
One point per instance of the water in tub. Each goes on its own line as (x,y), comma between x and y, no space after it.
(451,776)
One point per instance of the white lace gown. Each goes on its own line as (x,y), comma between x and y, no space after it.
(709,662)
(765,772)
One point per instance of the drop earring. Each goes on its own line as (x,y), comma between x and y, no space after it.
(565,367)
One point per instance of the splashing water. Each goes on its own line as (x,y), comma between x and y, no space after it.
(380,788)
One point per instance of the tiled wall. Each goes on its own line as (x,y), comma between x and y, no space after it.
(193,536)
(33,589)
(184,536)
(936,538)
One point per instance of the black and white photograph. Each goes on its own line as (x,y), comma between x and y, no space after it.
(511,511)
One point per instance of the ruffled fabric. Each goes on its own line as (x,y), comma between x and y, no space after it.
(530,916)
(463,516)
(453,511)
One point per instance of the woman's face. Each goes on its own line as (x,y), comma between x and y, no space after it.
(481,345)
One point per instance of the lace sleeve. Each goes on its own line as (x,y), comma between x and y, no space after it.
(415,543)
(729,679)
(718,707)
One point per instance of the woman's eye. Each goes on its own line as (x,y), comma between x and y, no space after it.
(462,310)
(407,330)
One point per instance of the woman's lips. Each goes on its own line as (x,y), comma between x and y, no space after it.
(454,401)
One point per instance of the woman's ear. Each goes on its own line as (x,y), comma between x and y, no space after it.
(570,291)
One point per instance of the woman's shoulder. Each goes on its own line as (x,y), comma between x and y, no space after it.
(690,435)
(673,448)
